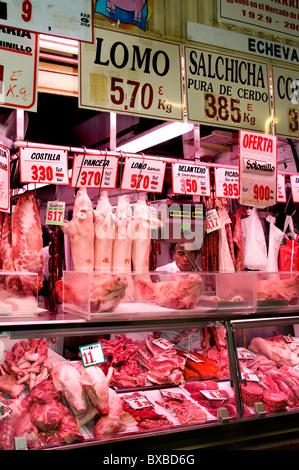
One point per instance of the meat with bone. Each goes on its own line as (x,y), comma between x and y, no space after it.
(80,231)
(279,288)
(147,418)
(96,383)
(10,386)
(277,351)
(201,365)
(185,411)
(104,234)
(68,380)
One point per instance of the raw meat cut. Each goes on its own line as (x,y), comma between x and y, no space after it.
(251,393)
(122,243)
(68,380)
(279,289)
(80,231)
(200,364)
(225,260)
(185,411)
(277,351)
(10,386)
(274,401)
(147,418)
(238,240)
(104,234)
(96,383)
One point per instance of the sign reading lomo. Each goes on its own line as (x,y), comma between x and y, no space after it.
(143,174)
(191,179)
(227,90)
(94,171)
(130,74)
(43,165)
(285,82)
(258,169)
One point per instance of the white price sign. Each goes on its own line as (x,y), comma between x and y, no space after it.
(138,403)
(70,18)
(4,179)
(191,179)
(143,174)
(43,165)
(130,74)
(18,68)
(4,410)
(94,171)
(92,354)
(213,394)
(213,221)
(250,377)
(227,182)
(281,188)
(172,395)
(295,187)
(193,358)
(163,343)
(55,213)
(258,169)
(243,353)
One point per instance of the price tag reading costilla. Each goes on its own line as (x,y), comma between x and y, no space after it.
(43,165)
(55,213)
(92,354)
(142,174)
(191,179)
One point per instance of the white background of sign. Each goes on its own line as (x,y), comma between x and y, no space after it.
(91,176)
(295,187)
(281,188)
(286,108)
(41,170)
(149,180)
(190,182)
(226,183)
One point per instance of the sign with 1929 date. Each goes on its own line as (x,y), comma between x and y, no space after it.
(70,18)
(43,165)
(142,174)
(191,179)
(285,82)
(226,90)
(94,171)
(4,179)
(130,74)
(258,169)
(18,68)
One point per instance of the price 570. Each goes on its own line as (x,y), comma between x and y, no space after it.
(120,89)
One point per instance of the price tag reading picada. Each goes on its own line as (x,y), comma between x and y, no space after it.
(143,175)
(213,221)
(43,165)
(243,353)
(4,410)
(163,343)
(92,354)
(55,213)
(214,395)
(137,403)
(227,182)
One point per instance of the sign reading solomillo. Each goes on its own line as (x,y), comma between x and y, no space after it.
(227,90)
(191,179)
(4,179)
(93,171)
(130,74)
(142,174)
(258,169)
(43,165)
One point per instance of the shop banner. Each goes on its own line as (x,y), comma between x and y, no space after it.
(191,179)
(227,182)
(68,18)
(94,171)
(285,82)
(4,179)
(295,187)
(18,68)
(279,17)
(258,169)
(226,90)
(281,188)
(43,165)
(142,174)
(130,74)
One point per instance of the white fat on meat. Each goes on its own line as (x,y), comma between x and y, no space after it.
(80,231)
(104,234)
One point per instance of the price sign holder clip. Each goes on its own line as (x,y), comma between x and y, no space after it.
(259,409)
(223,415)
(21,443)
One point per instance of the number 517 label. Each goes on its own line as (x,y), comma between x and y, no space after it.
(55,213)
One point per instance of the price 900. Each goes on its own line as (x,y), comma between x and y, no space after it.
(261,193)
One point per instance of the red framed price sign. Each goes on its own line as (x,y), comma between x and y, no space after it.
(191,179)
(92,354)
(93,171)
(141,174)
(43,165)
(227,182)
(281,188)
(4,179)
(137,403)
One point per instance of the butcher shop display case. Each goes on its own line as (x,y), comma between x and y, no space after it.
(18,293)
(277,291)
(92,295)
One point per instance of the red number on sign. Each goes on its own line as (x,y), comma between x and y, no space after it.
(119,89)
(86,358)
(261,192)
(27,10)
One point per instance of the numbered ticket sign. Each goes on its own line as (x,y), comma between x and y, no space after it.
(130,74)
(295,187)
(227,182)
(258,169)
(143,175)
(286,101)
(43,165)
(244,353)
(18,68)
(55,213)
(212,220)
(4,179)
(138,403)
(92,354)
(94,171)
(4,410)
(281,188)
(69,19)
(191,179)
(226,90)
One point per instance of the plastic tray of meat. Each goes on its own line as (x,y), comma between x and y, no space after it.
(277,291)
(18,294)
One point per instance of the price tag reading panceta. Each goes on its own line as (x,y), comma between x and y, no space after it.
(227,182)
(55,213)
(281,188)
(92,354)
(94,171)
(143,175)
(43,165)
(130,74)
(4,179)
(295,187)
(190,179)
(258,169)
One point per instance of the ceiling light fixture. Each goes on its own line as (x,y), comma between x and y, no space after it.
(155,136)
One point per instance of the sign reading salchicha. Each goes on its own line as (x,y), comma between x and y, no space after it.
(130,74)
(226,90)
(43,165)
(191,179)
(258,169)
(4,179)
(94,171)
(142,174)
(285,82)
